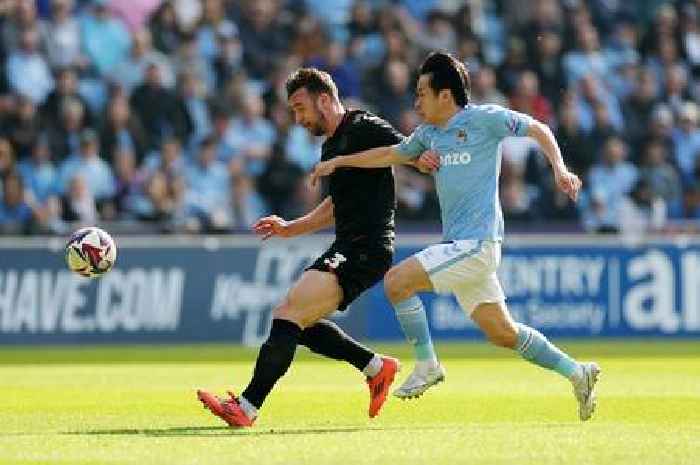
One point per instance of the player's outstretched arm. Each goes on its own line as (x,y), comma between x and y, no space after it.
(566,181)
(379,157)
(321,217)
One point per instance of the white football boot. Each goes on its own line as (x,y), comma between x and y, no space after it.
(584,390)
(420,381)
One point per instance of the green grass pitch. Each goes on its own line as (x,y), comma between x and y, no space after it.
(136,405)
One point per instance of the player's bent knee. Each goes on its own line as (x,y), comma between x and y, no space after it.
(284,311)
(395,285)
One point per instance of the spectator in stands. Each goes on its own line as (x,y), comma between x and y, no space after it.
(39,174)
(86,164)
(66,88)
(229,58)
(64,134)
(105,39)
(60,37)
(638,107)
(213,23)
(690,35)
(23,127)
(526,98)
(247,204)
(395,93)
(160,203)
(158,109)
(128,191)
(251,136)
(335,62)
(642,212)
(15,213)
(189,60)
(665,57)
(192,99)
(675,92)
(577,152)
(548,65)
(7,161)
(514,63)
(263,36)
(40,178)
(437,34)
(164,28)
(519,202)
(484,90)
(122,130)
(661,177)
(169,160)
(545,18)
(130,72)
(587,58)
(660,128)
(79,204)
(279,182)
(592,94)
(207,183)
(686,140)
(22,17)
(609,182)
(27,71)
(221,122)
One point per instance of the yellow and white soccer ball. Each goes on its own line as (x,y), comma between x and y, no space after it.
(91,252)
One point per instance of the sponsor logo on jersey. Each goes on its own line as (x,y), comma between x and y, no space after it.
(455,158)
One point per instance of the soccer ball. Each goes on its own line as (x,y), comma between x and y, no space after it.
(91,252)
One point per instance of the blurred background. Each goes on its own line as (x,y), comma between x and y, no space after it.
(170,116)
(165,122)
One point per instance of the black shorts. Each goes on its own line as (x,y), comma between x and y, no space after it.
(358,265)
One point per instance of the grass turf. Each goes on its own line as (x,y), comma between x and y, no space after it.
(136,405)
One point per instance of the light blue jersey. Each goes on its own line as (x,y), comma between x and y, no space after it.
(470,163)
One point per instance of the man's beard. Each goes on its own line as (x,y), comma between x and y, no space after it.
(319,128)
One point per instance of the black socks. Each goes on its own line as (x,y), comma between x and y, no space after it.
(327,339)
(274,358)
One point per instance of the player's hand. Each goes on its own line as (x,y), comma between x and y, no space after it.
(568,183)
(428,162)
(272,225)
(324,168)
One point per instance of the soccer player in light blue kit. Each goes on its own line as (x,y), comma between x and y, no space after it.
(461,142)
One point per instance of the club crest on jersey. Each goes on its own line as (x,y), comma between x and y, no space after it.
(462,135)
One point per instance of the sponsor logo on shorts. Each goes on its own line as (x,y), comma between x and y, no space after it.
(336,261)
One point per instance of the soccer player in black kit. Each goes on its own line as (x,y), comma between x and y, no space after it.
(361,205)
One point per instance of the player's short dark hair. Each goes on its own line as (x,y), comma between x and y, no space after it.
(314,80)
(446,72)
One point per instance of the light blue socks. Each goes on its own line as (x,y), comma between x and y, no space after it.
(535,348)
(414,323)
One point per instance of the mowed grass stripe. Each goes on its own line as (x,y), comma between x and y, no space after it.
(491,410)
(205,353)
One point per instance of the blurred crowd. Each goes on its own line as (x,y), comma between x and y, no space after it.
(171,116)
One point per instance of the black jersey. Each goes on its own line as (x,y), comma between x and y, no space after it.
(364,199)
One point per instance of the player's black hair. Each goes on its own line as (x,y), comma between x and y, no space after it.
(313,80)
(446,72)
